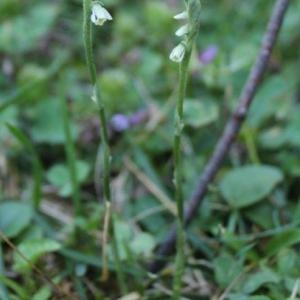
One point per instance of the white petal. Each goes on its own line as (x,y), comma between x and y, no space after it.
(182,30)
(99,14)
(177,54)
(182,16)
(93,18)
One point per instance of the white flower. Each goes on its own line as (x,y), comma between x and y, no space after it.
(94,95)
(99,14)
(177,53)
(182,16)
(182,30)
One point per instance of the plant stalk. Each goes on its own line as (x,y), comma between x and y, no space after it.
(109,220)
(178,175)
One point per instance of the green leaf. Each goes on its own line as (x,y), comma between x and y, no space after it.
(200,113)
(14,286)
(43,294)
(247,185)
(287,262)
(59,176)
(254,281)
(142,244)
(268,101)
(22,33)
(14,217)
(283,240)
(32,250)
(123,235)
(227,268)
(48,123)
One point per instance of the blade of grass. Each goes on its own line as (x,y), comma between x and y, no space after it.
(22,293)
(71,155)
(3,290)
(37,166)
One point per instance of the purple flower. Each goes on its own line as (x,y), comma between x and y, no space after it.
(120,122)
(208,54)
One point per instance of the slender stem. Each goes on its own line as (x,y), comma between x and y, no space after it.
(87,36)
(107,194)
(87,33)
(178,175)
(231,130)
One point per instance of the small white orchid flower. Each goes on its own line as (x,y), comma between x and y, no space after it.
(94,96)
(182,30)
(99,14)
(177,54)
(182,16)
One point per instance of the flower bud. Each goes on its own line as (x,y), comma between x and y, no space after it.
(177,53)
(182,30)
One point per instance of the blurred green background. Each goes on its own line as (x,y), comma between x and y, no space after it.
(246,233)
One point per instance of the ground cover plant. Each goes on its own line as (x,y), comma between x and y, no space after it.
(111,124)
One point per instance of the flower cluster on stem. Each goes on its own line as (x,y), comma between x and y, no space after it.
(186,31)
(94,12)
(181,54)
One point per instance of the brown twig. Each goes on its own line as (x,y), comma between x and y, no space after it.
(230,132)
(59,292)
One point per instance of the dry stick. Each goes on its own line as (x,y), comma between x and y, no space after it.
(230,132)
(151,187)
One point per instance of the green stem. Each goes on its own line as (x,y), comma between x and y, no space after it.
(178,175)
(87,33)
(88,43)
(71,158)
(106,187)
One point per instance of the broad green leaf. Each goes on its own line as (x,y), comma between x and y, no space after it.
(261,215)
(283,240)
(32,250)
(242,56)
(198,113)
(287,262)
(227,268)
(42,294)
(142,244)
(268,101)
(59,176)
(23,32)
(14,217)
(48,122)
(247,185)
(254,281)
